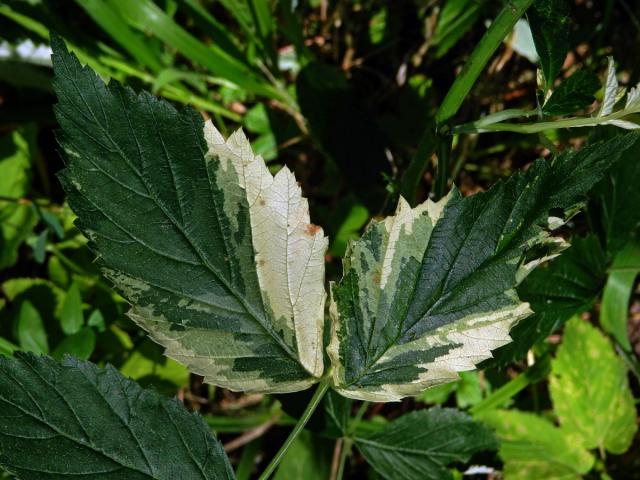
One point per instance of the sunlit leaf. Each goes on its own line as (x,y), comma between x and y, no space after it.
(217,256)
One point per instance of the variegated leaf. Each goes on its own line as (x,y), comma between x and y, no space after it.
(430,291)
(217,257)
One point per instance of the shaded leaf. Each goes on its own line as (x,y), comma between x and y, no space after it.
(149,367)
(31,334)
(430,291)
(419,445)
(216,255)
(72,418)
(568,285)
(615,200)
(573,94)
(549,20)
(79,345)
(614,310)
(308,459)
(532,447)
(16,220)
(590,390)
(71,316)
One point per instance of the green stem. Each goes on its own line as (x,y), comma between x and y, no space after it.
(306,415)
(489,43)
(537,127)
(349,438)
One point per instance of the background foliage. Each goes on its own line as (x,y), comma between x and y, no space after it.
(342,93)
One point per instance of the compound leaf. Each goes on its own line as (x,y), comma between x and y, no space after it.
(420,445)
(72,419)
(216,255)
(590,390)
(430,291)
(532,447)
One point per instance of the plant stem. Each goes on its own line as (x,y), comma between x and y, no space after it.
(349,438)
(304,418)
(490,41)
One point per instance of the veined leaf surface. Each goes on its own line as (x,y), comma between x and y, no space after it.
(216,255)
(430,291)
(75,420)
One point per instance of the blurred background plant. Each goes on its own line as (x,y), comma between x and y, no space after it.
(344,93)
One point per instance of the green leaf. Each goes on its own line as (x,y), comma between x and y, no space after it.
(615,200)
(307,458)
(149,367)
(455,20)
(216,255)
(96,320)
(573,94)
(16,220)
(614,310)
(79,345)
(430,291)
(71,316)
(568,285)
(419,445)
(531,447)
(590,390)
(30,330)
(147,16)
(549,20)
(111,22)
(71,419)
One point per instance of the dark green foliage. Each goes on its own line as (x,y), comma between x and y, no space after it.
(615,201)
(570,284)
(73,419)
(420,445)
(549,21)
(573,94)
(344,129)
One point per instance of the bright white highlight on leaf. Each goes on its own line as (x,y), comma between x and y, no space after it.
(289,249)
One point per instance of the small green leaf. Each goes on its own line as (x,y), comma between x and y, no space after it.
(31,334)
(531,447)
(96,320)
(57,272)
(7,348)
(16,220)
(52,222)
(39,248)
(614,311)
(573,94)
(420,445)
(72,419)
(149,367)
(71,317)
(590,390)
(549,20)
(79,345)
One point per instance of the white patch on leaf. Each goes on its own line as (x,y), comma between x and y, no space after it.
(289,248)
